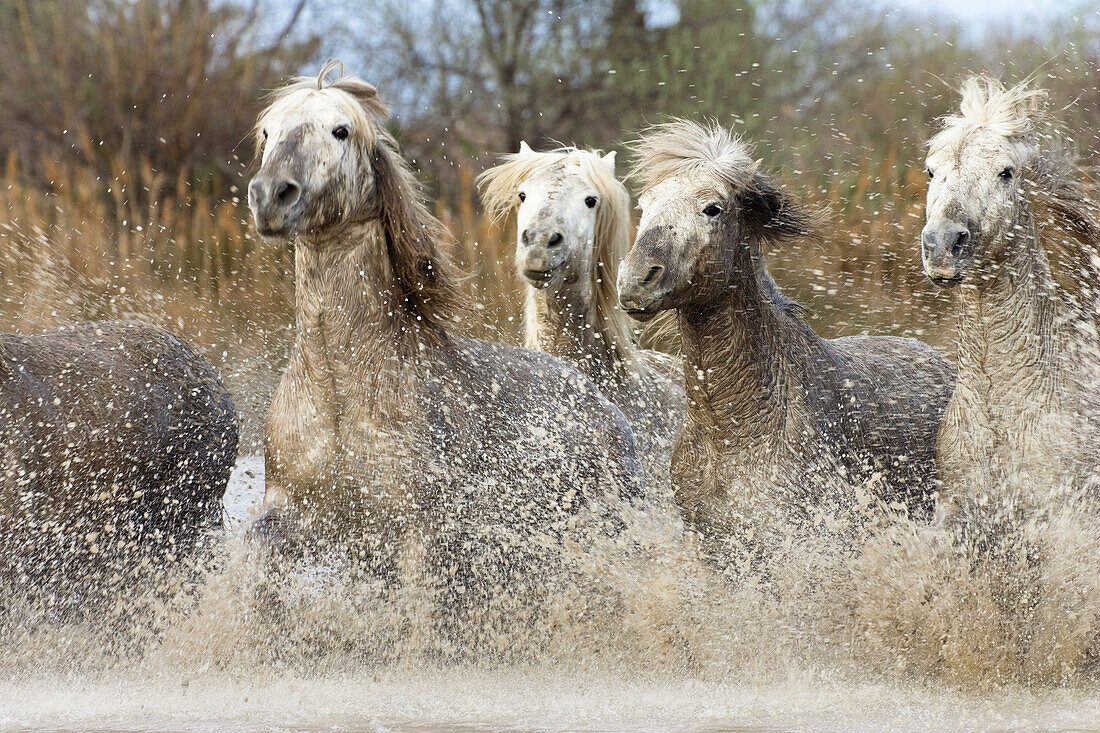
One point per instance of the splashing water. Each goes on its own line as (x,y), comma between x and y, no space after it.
(903,633)
(904,630)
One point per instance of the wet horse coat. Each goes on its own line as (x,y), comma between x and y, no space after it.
(388,433)
(117,442)
(783,427)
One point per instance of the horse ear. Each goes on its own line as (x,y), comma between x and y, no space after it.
(773,214)
(365,94)
(609,161)
(524,147)
(358,88)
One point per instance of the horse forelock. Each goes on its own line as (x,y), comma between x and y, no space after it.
(1016,113)
(355,97)
(686,148)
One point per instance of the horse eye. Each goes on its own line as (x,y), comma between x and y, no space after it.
(341,132)
(931,175)
(590,202)
(522,197)
(712,210)
(1007,173)
(265,134)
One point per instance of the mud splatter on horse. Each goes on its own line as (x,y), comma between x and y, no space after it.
(780,421)
(387,432)
(117,442)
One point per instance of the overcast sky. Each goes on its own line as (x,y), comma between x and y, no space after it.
(971,14)
(1014,12)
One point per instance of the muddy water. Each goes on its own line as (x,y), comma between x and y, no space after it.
(895,637)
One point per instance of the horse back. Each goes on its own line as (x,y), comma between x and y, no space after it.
(112,426)
(526,408)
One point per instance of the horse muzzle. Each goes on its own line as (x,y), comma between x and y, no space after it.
(540,266)
(642,289)
(276,203)
(946,250)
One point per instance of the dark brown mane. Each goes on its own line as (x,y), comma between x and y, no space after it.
(415,239)
(771,214)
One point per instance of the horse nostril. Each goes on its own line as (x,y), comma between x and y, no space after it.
(652,274)
(287,192)
(960,242)
(555,239)
(927,241)
(526,236)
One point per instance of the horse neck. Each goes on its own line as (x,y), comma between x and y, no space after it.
(735,369)
(353,329)
(564,321)
(1008,331)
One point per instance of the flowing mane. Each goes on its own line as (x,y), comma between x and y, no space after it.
(612,240)
(416,240)
(1066,219)
(710,151)
(1015,112)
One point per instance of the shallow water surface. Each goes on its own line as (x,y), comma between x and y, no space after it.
(467,699)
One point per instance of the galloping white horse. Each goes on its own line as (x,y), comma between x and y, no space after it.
(1001,197)
(573,229)
(1019,447)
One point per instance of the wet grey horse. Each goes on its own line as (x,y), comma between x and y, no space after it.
(780,421)
(117,442)
(388,435)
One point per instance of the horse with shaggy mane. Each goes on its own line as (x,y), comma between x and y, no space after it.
(781,423)
(388,435)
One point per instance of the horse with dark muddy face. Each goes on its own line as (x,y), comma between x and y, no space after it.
(389,436)
(117,442)
(780,421)
(573,229)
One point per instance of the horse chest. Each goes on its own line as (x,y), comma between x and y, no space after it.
(714,478)
(359,453)
(997,429)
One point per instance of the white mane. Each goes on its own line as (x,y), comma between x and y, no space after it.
(1015,113)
